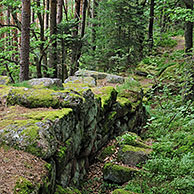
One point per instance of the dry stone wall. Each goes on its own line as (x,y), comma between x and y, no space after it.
(70,127)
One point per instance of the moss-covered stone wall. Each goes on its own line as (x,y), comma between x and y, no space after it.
(70,127)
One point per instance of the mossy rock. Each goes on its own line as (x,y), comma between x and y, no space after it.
(106,94)
(87,73)
(32,131)
(45,83)
(4,80)
(117,173)
(89,81)
(121,191)
(76,87)
(33,98)
(4,91)
(132,155)
(69,190)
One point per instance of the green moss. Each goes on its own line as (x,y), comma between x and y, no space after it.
(118,168)
(4,91)
(127,148)
(4,80)
(106,94)
(49,115)
(61,190)
(48,166)
(62,151)
(123,101)
(23,186)
(121,191)
(79,87)
(33,98)
(112,115)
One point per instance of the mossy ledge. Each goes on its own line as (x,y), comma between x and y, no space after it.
(66,127)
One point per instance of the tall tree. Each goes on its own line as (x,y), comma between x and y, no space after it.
(75,48)
(25,40)
(151,24)
(188,28)
(53,32)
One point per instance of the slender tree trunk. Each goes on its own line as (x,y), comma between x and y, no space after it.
(60,4)
(66,9)
(188,28)
(53,32)
(94,14)
(41,22)
(47,14)
(75,48)
(151,24)
(85,3)
(25,41)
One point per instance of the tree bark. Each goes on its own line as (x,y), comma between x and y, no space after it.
(75,48)
(94,14)
(188,28)
(25,41)
(41,22)
(53,32)
(60,4)
(151,24)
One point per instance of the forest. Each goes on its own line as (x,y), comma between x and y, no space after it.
(148,42)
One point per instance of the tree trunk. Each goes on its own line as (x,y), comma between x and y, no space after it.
(85,2)
(41,22)
(94,14)
(75,48)
(188,28)
(25,41)
(60,4)
(151,24)
(53,32)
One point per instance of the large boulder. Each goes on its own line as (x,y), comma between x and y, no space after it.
(45,82)
(89,81)
(33,98)
(87,73)
(117,173)
(132,155)
(32,131)
(115,79)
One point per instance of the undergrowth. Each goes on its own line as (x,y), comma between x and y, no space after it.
(170,169)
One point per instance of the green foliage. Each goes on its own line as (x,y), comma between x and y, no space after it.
(170,168)
(129,84)
(165,41)
(22,84)
(119,36)
(127,138)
